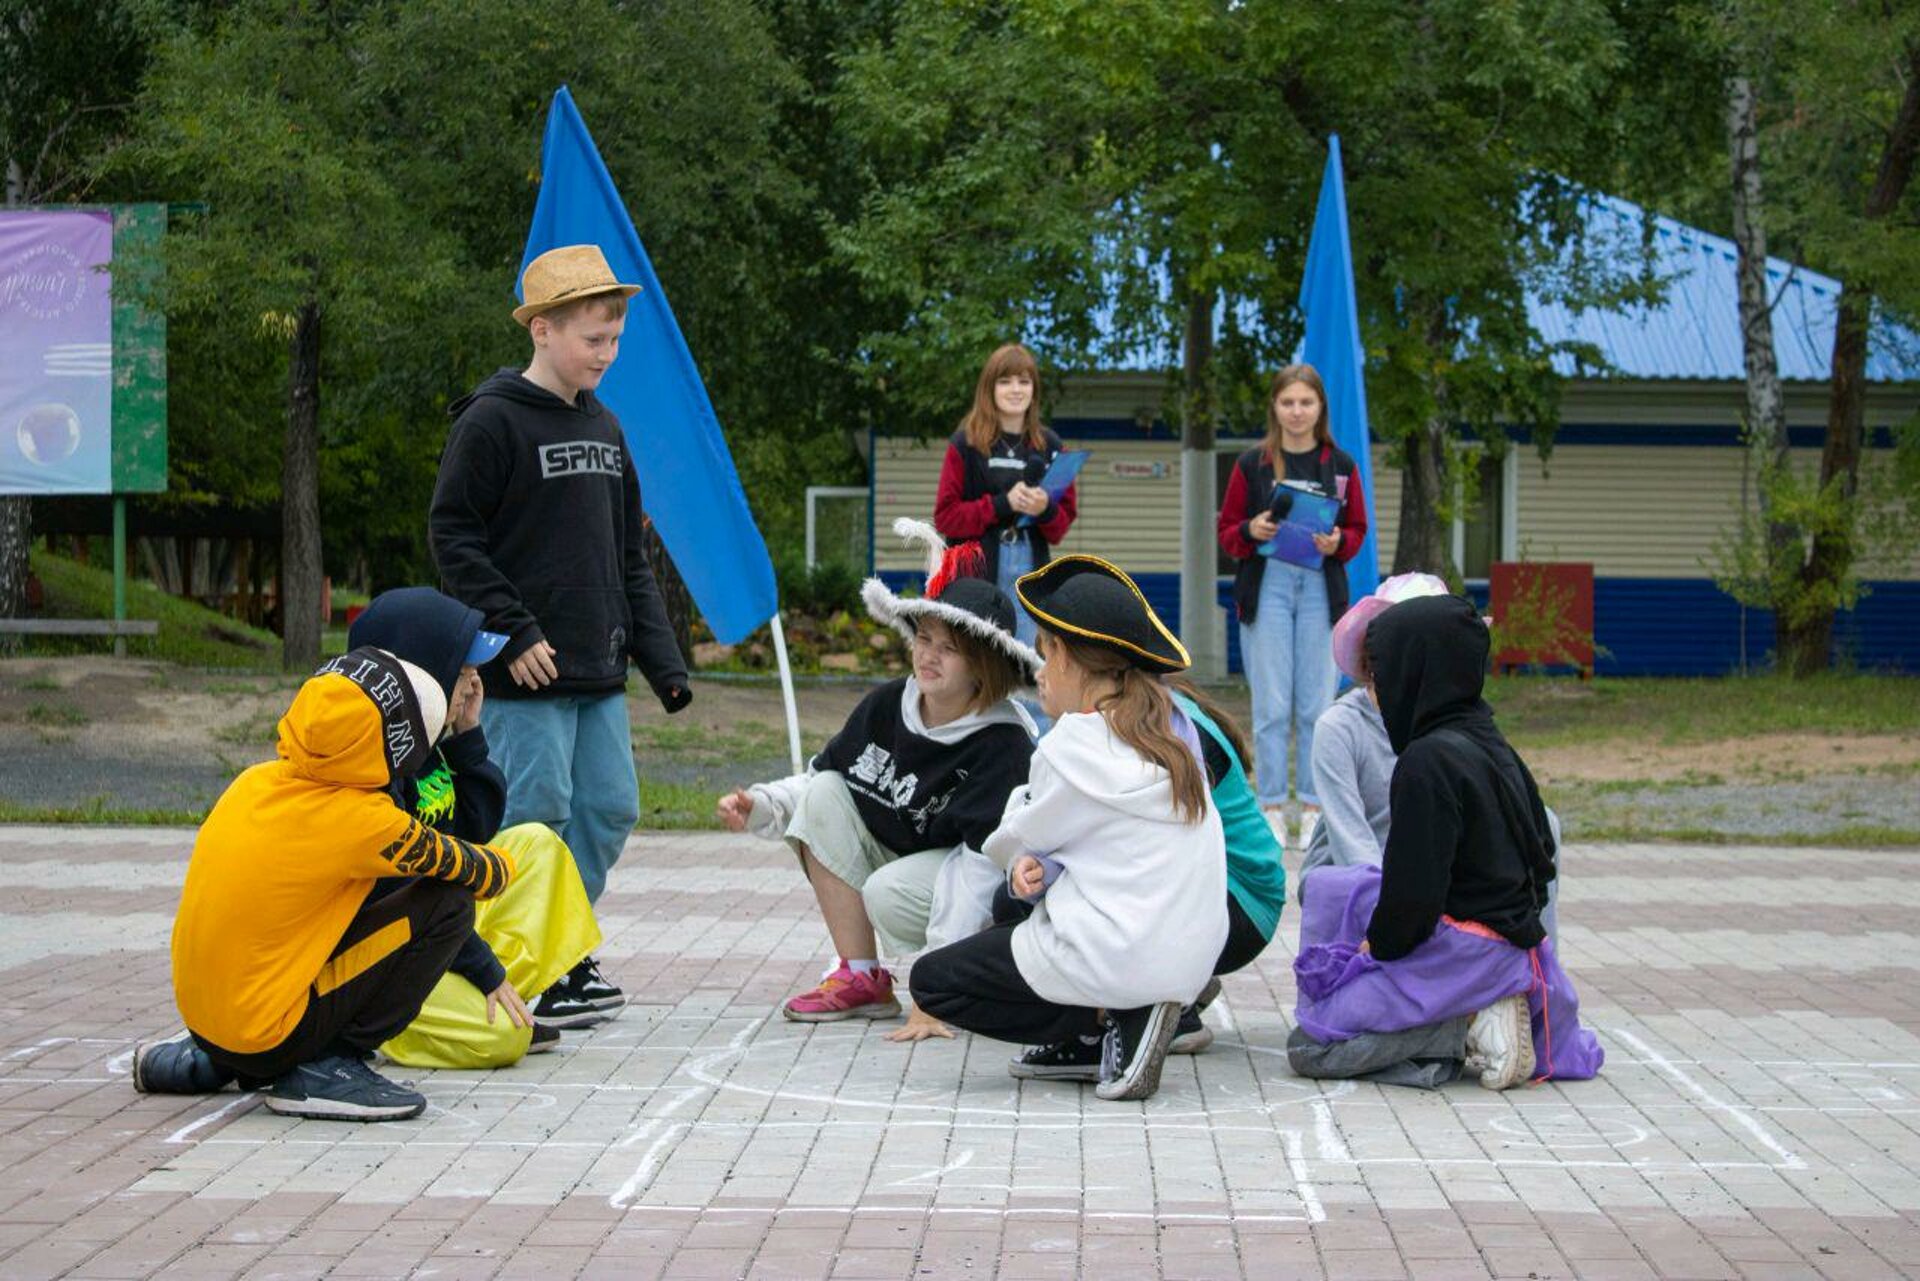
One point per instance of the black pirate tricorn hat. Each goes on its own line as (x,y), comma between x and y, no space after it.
(1084,598)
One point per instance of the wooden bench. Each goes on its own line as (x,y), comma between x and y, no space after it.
(80,626)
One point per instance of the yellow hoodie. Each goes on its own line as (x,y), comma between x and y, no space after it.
(291,849)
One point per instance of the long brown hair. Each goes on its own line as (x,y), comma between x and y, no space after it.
(1236,737)
(1289,375)
(1140,714)
(982,423)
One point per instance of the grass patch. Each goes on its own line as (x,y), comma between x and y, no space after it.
(190,634)
(697,745)
(53,714)
(1852,836)
(256,731)
(40,684)
(677,807)
(97,811)
(1556,712)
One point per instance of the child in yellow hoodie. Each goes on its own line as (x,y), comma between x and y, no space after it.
(316,915)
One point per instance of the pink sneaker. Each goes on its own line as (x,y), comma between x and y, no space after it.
(846,995)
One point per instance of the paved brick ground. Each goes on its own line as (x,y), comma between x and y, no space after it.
(1757,1114)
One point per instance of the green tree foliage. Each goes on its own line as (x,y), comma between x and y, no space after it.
(1040,163)
(1836,128)
(369,169)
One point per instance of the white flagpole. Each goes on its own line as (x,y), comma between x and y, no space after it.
(786,692)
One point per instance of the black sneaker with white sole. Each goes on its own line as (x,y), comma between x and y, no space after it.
(1135,1050)
(1190,1034)
(1075,1059)
(591,986)
(545,1037)
(563,1006)
(342,1088)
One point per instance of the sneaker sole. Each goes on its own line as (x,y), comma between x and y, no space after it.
(877,1010)
(139,1078)
(585,1018)
(607,1002)
(333,1110)
(1519,1026)
(1027,1072)
(1144,1079)
(1191,1042)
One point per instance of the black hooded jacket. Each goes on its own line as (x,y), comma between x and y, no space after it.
(459,790)
(536,523)
(1469,838)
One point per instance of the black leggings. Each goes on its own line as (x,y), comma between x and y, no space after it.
(975,985)
(361,1000)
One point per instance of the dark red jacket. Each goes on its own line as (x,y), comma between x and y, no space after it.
(1250,489)
(971,504)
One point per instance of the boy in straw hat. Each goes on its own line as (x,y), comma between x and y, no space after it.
(536,522)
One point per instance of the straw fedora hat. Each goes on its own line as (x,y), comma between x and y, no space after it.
(567,274)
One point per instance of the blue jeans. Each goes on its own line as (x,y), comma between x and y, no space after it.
(1287,652)
(1016,560)
(569,764)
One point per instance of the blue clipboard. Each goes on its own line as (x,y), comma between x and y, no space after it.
(1310,514)
(1061,473)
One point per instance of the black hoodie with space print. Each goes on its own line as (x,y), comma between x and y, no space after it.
(1469,838)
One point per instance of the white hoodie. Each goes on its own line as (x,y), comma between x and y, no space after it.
(1139,913)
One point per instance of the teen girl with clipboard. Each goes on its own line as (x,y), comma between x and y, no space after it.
(1287,610)
(990,483)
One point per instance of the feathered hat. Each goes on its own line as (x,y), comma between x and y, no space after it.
(954,596)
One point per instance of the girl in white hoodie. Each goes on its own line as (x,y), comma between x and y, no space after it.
(1114,839)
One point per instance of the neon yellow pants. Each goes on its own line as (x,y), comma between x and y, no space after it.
(540,927)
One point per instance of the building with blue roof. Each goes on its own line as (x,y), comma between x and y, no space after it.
(1647,470)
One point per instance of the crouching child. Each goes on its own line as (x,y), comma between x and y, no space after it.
(1439,959)
(290,966)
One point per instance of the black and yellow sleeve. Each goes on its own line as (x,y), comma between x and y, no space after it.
(422,851)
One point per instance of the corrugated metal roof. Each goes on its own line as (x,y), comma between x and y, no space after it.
(1693,334)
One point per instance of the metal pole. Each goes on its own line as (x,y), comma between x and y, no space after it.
(119,574)
(786,693)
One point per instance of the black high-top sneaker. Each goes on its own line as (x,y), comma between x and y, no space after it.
(1136,1049)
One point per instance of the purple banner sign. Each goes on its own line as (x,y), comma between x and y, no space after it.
(56,352)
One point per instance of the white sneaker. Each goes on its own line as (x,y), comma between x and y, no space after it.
(1276,817)
(1501,1037)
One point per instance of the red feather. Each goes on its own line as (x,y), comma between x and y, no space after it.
(964,561)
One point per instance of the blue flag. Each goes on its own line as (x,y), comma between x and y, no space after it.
(1333,347)
(687,479)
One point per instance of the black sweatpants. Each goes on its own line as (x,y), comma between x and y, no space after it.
(381,971)
(975,985)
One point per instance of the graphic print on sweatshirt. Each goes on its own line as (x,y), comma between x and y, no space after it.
(873,776)
(580,458)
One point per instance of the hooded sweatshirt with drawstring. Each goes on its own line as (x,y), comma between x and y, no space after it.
(1469,836)
(1139,912)
(290,851)
(536,522)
